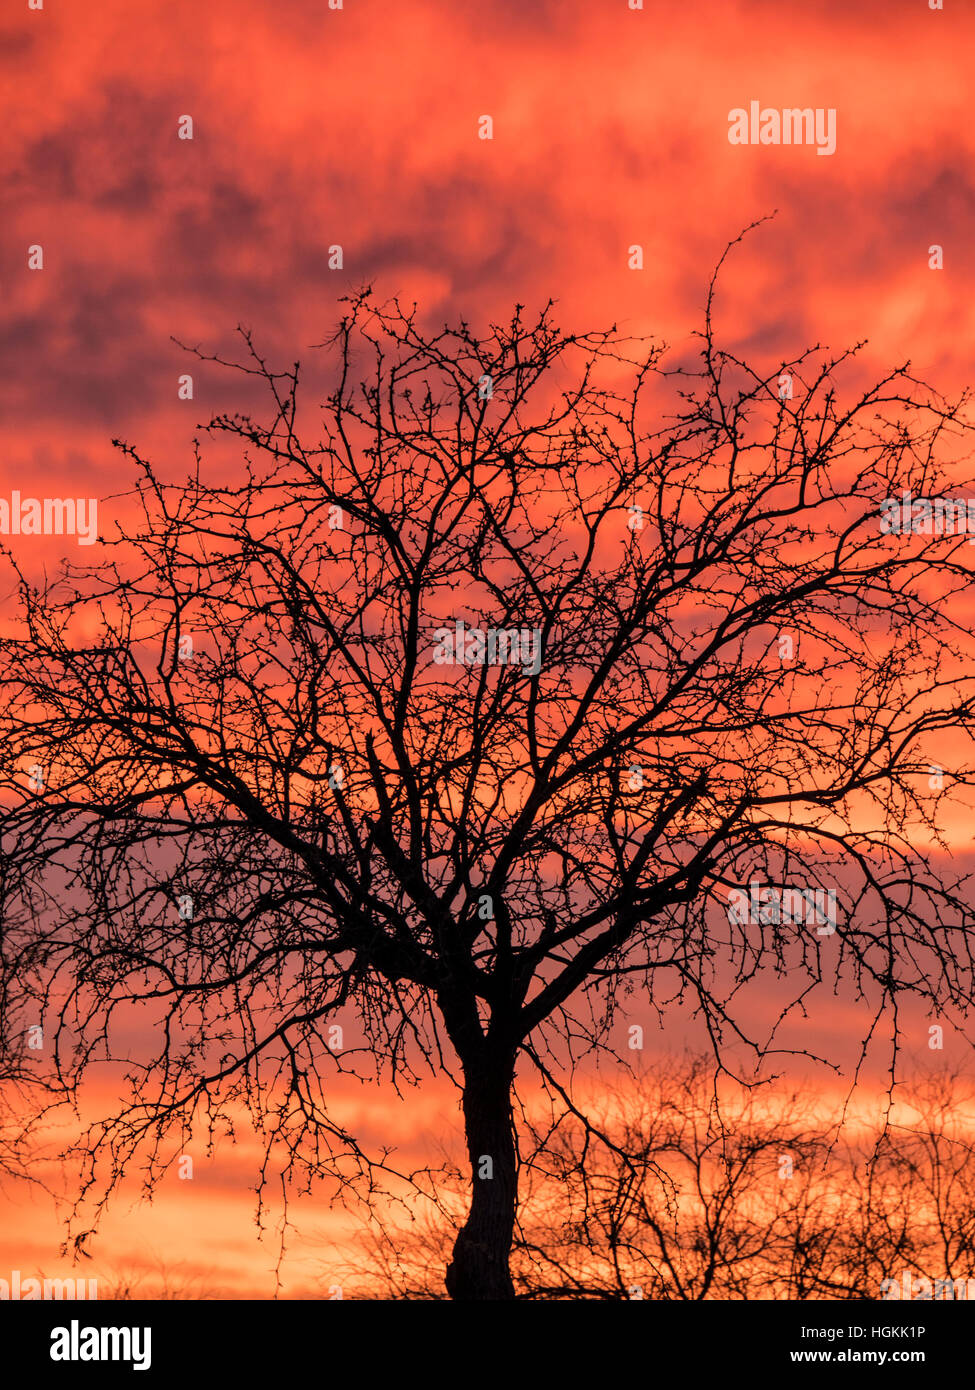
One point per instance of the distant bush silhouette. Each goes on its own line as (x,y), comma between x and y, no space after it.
(677,1194)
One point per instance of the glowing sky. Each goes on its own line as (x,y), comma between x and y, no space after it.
(359,127)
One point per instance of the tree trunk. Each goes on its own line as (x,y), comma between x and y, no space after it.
(479,1268)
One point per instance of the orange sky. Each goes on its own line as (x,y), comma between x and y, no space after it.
(359,127)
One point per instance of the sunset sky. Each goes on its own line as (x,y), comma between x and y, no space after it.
(358,127)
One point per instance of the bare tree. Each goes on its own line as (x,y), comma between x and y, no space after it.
(678,1187)
(662,1189)
(256,779)
(902,1200)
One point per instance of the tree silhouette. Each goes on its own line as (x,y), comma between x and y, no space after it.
(251,790)
(678,1188)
